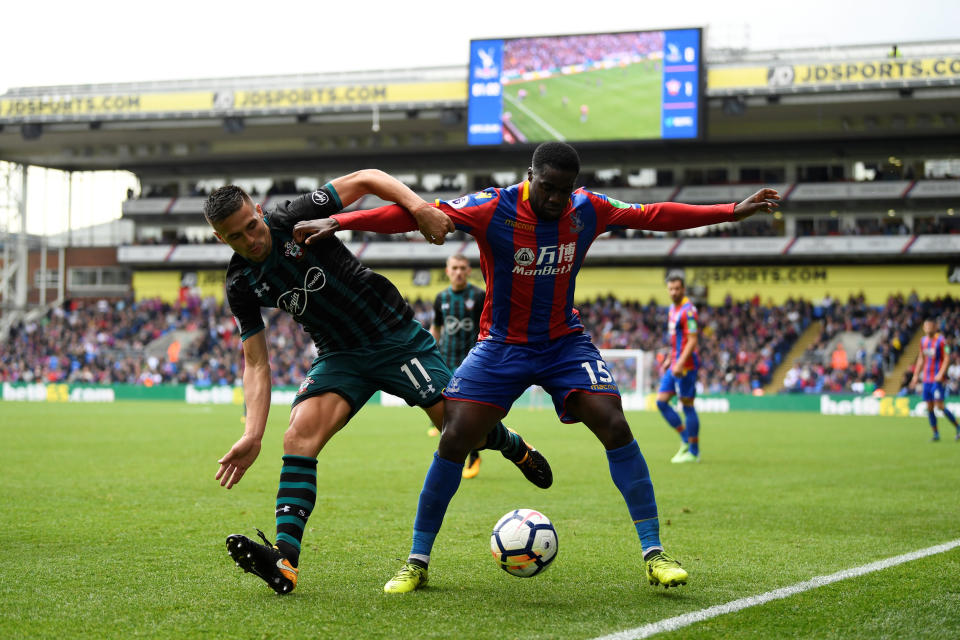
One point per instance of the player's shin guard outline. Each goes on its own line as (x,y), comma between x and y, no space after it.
(632,477)
(692,428)
(672,417)
(439,487)
(296,497)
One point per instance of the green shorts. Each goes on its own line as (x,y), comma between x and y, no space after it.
(405,363)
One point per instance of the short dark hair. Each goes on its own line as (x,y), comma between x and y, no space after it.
(676,277)
(558,155)
(223,202)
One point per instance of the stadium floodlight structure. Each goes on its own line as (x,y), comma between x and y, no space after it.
(13,216)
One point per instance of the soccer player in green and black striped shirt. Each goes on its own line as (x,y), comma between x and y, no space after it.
(366,338)
(456,323)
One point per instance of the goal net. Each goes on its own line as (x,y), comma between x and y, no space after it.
(630,369)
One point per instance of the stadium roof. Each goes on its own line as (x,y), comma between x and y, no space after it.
(850,96)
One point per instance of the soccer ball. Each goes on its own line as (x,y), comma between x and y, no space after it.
(524,543)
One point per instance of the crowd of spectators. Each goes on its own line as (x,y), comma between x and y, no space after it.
(526,55)
(102,342)
(828,367)
(740,344)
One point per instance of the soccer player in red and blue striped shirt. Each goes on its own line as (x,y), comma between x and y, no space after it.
(679,370)
(931,369)
(533,238)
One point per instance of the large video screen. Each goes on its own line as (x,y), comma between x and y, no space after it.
(638,85)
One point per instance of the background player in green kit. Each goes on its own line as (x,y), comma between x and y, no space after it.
(366,338)
(456,323)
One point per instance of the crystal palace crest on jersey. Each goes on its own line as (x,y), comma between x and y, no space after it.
(576,224)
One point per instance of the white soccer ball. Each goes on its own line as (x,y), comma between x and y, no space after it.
(524,542)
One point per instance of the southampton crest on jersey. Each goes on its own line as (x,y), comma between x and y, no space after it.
(292,250)
(303,385)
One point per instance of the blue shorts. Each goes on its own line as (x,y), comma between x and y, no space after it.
(495,373)
(933,392)
(687,383)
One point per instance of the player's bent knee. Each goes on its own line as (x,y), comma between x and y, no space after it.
(614,433)
(458,440)
(307,437)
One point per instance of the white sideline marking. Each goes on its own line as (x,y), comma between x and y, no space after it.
(538,119)
(678,622)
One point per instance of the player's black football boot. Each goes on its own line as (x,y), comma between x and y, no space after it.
(535,467)
(264,561)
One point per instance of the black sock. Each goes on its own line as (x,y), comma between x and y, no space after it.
(295,500)
(506,442)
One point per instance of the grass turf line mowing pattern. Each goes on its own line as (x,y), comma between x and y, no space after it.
(114,527)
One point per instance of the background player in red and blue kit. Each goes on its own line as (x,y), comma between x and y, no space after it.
(533,238)
(931,369)
(679,370)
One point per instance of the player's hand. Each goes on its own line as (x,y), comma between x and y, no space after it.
(237,461)
(309,231)
(677,371)
(434,224)
(764,200)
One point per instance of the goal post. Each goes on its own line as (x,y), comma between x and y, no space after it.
(633,371)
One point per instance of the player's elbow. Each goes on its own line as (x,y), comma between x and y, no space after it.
(369,178)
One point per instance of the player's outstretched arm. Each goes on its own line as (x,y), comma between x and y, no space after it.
(309,231)
(433,224)
(389,219)
(765,200)
(256,394)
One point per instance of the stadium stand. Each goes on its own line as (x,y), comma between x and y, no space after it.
(742,343)
(860,345)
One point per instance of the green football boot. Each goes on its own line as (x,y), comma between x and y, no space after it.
(409,578)
(684,448)
(684,457)
(664,570)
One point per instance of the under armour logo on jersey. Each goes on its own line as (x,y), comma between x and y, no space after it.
(294,301)
(320,197)
(427,391)
(524,256)
(262,289)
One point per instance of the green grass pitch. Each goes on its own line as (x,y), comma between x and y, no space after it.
(624,105)
(113,527)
